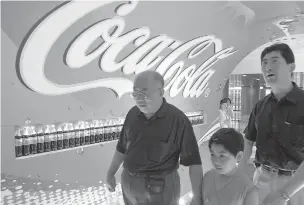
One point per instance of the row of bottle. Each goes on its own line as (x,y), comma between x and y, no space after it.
(196,119)
(33,139)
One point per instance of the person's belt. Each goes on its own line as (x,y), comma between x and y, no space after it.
(146,174)
(278,171)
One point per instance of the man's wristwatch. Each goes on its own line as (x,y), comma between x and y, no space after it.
(285,196)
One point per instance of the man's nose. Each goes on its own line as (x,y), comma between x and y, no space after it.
(268,68)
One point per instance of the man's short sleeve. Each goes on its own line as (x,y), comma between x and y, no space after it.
(250,131)
(189,148)
(123,139)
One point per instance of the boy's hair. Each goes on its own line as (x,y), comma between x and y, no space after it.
(231,140)
(283,48)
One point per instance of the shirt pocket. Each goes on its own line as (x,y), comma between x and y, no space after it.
(292,135)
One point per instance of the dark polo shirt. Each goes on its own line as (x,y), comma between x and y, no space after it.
(277,127)
(155,145)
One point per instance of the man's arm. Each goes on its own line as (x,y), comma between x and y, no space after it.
(119,155)
(196,178)
(190,156)
(117,160)
(250,138)
(248,145)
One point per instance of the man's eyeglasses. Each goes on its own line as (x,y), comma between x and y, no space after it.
(137,95)
(146,95)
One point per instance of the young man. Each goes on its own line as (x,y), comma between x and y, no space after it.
(276,125)
(154,137)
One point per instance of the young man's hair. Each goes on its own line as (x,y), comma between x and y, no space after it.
(228,100)
(283,48)
(224,100)
(229,138)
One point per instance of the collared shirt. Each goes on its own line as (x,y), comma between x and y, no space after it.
(225,119)
(277,127)
(155,145)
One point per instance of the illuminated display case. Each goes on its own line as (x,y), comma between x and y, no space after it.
(37,139)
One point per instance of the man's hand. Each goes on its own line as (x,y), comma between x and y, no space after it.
(274,198)
(196,201)
(111,182)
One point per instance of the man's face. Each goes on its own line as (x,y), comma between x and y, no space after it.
(147,95)
(275,70)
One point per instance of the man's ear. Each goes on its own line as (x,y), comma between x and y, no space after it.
(292,67)
(162,92)
(239,156)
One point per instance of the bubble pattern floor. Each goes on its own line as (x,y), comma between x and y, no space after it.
(33,191)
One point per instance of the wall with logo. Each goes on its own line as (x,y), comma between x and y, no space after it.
(77,60)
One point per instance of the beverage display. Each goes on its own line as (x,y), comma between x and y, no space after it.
(38,138)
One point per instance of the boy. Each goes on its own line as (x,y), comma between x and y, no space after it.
(225,185)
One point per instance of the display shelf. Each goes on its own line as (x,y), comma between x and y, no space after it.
(63,150)
(191,116)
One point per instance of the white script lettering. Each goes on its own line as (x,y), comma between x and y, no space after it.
(192,80)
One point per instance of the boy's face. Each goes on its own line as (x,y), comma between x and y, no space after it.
(222,160)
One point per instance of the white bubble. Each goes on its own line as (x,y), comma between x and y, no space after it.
(18,187)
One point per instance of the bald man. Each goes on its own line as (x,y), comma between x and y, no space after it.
(155,139)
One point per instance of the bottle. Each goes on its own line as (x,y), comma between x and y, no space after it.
(87,132)
(26,141)
(77,134)
(119,129)
(71,135)
(59,136)
(18,142)
(81,133)
(47,141)
(101,131)
(114,129)
(92,132)
(33,141)
(53,137)
(96,132)
(65,131)
(40,138)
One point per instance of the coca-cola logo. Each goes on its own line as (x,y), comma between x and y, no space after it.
(192,80)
